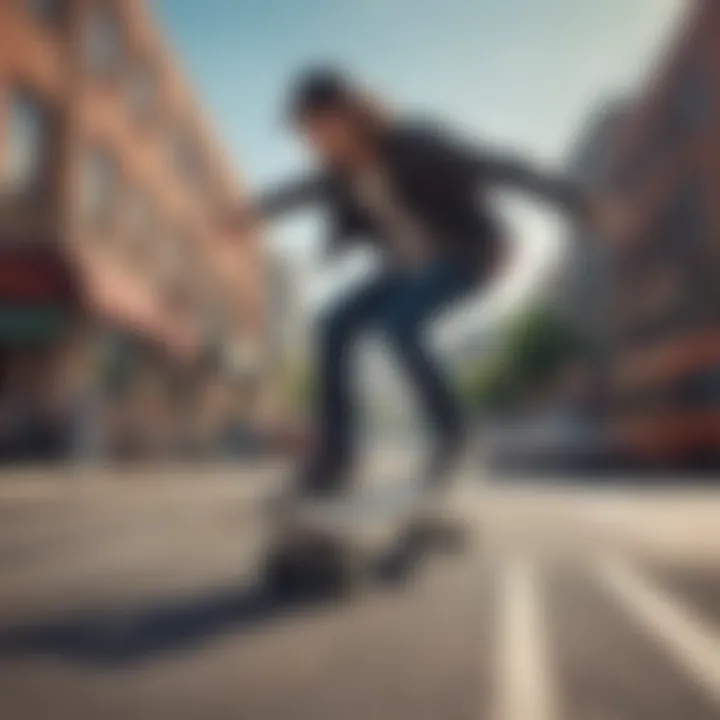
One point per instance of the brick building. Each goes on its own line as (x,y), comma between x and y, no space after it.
(665,301)
(114,278)
(581,292)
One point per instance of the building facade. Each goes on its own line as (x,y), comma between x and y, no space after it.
(582,291)
(665,301)
(118,286)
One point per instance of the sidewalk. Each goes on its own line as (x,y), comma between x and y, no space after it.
(247,480)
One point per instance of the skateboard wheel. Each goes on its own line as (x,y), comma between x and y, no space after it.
(324,571)
(397,565)
(441,535)
(344,573)
(282,576)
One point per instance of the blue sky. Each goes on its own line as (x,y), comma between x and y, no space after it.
(523,73)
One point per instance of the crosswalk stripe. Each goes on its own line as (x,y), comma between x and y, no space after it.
(693,643)
(525,686)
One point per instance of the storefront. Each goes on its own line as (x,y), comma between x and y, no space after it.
(39,307)
(143,361)
(90,367)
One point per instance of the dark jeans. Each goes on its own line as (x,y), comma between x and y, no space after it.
(398,304)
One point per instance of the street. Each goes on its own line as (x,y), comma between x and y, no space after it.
(135,595)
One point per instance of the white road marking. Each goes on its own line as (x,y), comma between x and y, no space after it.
(525,686)
(693,643)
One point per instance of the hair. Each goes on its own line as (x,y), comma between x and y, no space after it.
(322,90)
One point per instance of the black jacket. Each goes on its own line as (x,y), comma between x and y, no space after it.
(443,181)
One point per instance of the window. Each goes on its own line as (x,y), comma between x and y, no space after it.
(174,256)
(103,40)
(141,226)
(188,161)
(99,187)
(693,103)
(27,148)
(178,265)
(182,154)
(142,90)
(47,11)
(683,219)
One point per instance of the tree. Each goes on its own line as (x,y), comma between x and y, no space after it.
(537,345)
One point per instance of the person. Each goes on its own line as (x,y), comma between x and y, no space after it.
(422,196)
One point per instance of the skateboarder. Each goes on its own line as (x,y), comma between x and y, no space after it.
(423,197)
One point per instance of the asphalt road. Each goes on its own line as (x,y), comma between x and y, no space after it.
(136,596)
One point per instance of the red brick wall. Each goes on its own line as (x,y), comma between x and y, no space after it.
(50,62)
(679,423)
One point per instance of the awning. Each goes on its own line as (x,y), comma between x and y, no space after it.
(116,298)
(35,276)
(43,284)
(38,293)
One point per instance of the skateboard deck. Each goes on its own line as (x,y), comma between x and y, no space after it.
(344,541)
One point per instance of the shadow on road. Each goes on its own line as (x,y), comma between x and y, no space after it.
(126,637)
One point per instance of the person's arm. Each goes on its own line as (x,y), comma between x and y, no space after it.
(294,195)
(511,171)
(291,196)
(614,217)
(490,167)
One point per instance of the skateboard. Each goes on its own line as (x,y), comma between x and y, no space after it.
(338,546)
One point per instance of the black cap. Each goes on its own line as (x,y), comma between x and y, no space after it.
(317,90)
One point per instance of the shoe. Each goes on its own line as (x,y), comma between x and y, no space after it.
(322,478)
(444,462)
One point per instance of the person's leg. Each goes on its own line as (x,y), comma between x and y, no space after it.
(421,296)
(339,328)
